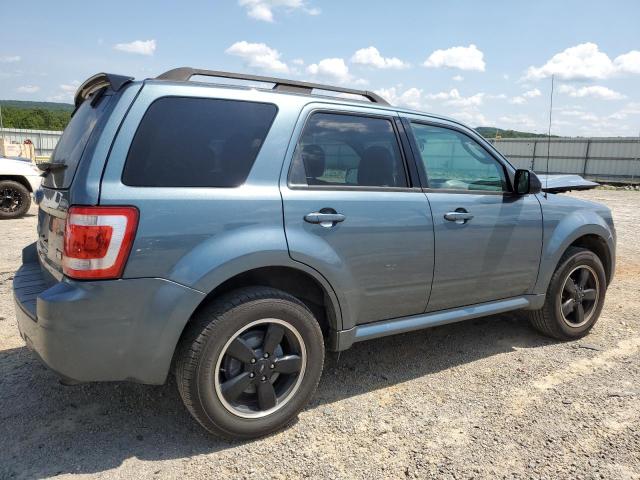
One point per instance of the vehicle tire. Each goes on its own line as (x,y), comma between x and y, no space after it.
(574,298)
(15,199)
(249,362)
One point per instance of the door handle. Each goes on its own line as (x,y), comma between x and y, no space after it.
(460,216)
(326,220)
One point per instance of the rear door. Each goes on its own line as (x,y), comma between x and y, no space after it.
(353,212)
(487,240)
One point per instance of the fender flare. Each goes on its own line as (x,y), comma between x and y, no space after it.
(222,273)
(569,229)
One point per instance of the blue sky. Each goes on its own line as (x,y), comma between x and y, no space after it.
(485,63)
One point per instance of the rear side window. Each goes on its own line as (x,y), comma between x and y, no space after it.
(348,150)
(197,142)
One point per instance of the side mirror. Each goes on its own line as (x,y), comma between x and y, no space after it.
(525,181)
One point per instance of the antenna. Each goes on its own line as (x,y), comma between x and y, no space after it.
(1,124)
(546,178)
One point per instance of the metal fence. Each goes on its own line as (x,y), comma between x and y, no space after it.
(44,141)
(600,159)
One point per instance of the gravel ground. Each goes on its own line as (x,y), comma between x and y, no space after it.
(487,398)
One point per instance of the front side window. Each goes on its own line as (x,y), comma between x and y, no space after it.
(348,150)
(197,142)
(453,160)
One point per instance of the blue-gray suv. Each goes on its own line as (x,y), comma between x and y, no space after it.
(229,234)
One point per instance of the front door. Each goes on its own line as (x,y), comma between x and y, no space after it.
(487,240)
(351,213)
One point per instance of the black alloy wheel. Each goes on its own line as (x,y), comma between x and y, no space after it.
(579,296)
(260,368)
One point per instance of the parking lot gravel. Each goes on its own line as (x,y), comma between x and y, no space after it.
(489,398)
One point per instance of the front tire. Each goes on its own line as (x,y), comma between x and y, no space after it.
(15,199)
(249,362)
(575,296)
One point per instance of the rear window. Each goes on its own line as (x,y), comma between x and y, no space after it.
(197,142)
(74,141)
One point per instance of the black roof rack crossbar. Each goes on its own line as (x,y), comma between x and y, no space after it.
(185,73)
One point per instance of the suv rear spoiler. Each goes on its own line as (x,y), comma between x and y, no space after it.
(98,81)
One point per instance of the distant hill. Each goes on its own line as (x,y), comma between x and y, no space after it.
(45,105)
(35,115)
(490,132)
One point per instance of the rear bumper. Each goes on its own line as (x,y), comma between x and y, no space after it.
(102,330)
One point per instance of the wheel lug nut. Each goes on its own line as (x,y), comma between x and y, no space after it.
(272,366)
(253,360)
(263,378)
(266,355)
(251,375)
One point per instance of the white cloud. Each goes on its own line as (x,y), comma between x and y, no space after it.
(70,87)
(572,113)
(595,91)
(258,55)
(411,98)
(585,62)
(28,89)
(140,47)
(464,58)
(371,56)
(262,10)
(332,68)
(453,97)
(457,78)
(10,59)
(505,76)
(517,121)
(297,61)
(632,108)
(472,118)
(66,92)
(629,62)
(518,100)
(532,93)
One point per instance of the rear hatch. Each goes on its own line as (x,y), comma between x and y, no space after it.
(93,107)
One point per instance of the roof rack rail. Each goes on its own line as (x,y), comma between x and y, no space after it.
(185,74)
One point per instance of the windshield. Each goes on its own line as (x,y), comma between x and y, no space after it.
(74,140)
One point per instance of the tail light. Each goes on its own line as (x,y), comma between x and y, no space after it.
(97,241)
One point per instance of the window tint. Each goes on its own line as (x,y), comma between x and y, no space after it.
(454,161)
(74,140)
(348,150)
(197,142)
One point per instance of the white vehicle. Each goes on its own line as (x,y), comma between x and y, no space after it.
(19,179)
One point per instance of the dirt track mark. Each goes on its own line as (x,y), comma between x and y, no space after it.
(586,366)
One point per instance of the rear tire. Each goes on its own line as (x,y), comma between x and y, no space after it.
(249,362)
(15,199)
(575,296)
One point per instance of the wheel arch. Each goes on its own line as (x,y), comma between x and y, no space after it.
(597,245)
(314,292)
(577,231)
(19,179)
(298,280)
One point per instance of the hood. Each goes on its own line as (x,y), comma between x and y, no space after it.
(564,183)
(18,166)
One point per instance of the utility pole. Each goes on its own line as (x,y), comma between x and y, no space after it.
(1,124)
